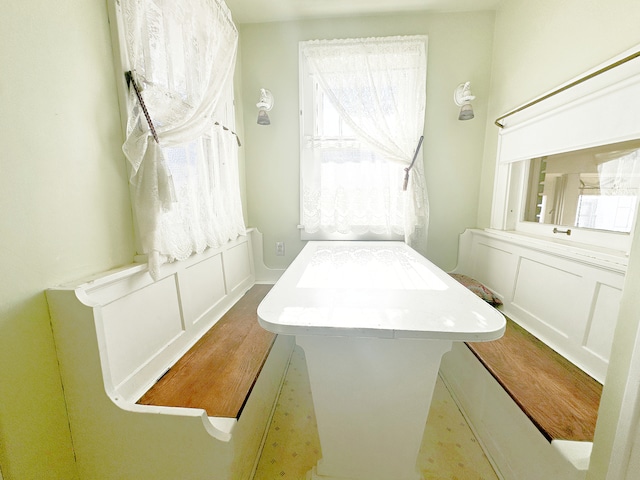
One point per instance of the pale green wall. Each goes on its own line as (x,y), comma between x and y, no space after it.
(459,49)
(65,208)
(538,46)
(63,186)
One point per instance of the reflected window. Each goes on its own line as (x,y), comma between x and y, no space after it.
(594,188)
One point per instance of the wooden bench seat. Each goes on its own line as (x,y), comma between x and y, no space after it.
(559,398)
(219,371)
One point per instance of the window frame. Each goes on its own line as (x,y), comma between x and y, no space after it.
(600,239)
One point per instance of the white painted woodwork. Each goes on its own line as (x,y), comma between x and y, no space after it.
(512,443)
(145,326)
(374,319)
(263,273)
(138,327)
(597,113)
(118,332)
(201,286)
(569,298)
(237,265)
(371,398)
(374,288)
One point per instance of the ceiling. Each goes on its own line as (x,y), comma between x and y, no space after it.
(257,11)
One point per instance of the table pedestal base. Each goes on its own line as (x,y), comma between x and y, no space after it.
(371,398)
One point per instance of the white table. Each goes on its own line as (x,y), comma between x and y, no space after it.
(374,319)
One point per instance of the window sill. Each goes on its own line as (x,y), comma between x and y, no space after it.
(320,235)
(608,258)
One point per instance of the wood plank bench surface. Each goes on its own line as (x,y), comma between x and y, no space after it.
(559,398)
(219,371)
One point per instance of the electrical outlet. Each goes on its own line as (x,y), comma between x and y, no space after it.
(280,249)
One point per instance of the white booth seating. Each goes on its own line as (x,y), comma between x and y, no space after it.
(118,333)
(566,300)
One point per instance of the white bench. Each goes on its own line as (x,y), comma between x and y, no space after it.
(118,333)
(566,297)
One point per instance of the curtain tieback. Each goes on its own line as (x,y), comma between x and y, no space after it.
(408,169)
(131,81)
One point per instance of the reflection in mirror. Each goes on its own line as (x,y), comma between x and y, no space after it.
(595,188)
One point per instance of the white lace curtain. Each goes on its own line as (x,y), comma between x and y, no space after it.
(186,190)
(619,173)
(378,87)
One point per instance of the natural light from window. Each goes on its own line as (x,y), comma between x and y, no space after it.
(362,114)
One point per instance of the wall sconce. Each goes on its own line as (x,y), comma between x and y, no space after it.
(463,98)
(264,105)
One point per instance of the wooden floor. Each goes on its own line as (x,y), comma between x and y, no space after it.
(219,371)
(558,397)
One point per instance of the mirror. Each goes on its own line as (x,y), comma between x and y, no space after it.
(595,188)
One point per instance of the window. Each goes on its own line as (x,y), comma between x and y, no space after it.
(357,98)
(595,188)
(357,192)
(185,187)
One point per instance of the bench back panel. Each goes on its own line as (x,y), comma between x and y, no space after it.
(568,298)
(144,327)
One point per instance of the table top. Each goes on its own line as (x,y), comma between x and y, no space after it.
(374,289)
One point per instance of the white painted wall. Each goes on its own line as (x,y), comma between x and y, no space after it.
(459,49)
(537,46)
(65,209)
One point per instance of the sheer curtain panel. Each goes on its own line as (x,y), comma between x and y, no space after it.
(186,191)
(378,88)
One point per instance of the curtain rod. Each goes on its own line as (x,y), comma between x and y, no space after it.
(568,86)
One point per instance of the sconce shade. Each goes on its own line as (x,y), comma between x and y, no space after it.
(264,105)
(263,117)
(462,97)
(466,112)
